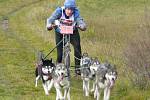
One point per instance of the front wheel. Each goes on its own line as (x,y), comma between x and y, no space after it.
(67,58)
(67,64)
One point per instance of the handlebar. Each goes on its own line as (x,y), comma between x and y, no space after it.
(62,22)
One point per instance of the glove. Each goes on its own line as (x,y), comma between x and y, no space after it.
(49,27)
(82,27)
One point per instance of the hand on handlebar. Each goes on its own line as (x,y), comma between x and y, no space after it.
(82,28)
(50,27)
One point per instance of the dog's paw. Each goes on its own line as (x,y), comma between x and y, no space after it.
(63,98)
(92,90)
(86,95)
(47,94)
(35,84)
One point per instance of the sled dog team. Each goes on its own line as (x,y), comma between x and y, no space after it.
(101,75)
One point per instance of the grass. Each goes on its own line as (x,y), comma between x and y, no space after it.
(111,23)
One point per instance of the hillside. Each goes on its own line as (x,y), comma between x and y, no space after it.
(112,24)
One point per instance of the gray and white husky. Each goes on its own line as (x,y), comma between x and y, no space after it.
(61,82)
(88,71)
(95,64)
(106,76)
(85,72)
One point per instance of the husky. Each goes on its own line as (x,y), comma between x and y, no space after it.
(44,71)
(93,68)
(88,71)
(85,72)
(61,82)
(106,76)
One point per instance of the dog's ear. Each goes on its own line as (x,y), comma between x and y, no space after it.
(85,54)
(42,60)
(54,66)
(114,67)
(51,60)
(106,62)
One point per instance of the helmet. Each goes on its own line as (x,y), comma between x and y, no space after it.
(70,4)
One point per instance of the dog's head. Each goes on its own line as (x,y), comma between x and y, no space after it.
(111,75)
(85,60)
(60,70)
(106,73)
(95,64)
(47,66)
(95,61)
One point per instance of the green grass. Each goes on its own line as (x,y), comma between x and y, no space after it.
(111,24)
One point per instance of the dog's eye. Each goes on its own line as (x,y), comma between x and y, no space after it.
(49,66)
(115,73)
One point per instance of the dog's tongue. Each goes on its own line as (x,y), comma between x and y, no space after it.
(62,76)
(112,82)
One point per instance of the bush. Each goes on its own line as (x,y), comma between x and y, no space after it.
(137,57)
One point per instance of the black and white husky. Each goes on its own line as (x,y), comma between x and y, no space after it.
(44,71)
(106,76)
(61,82)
